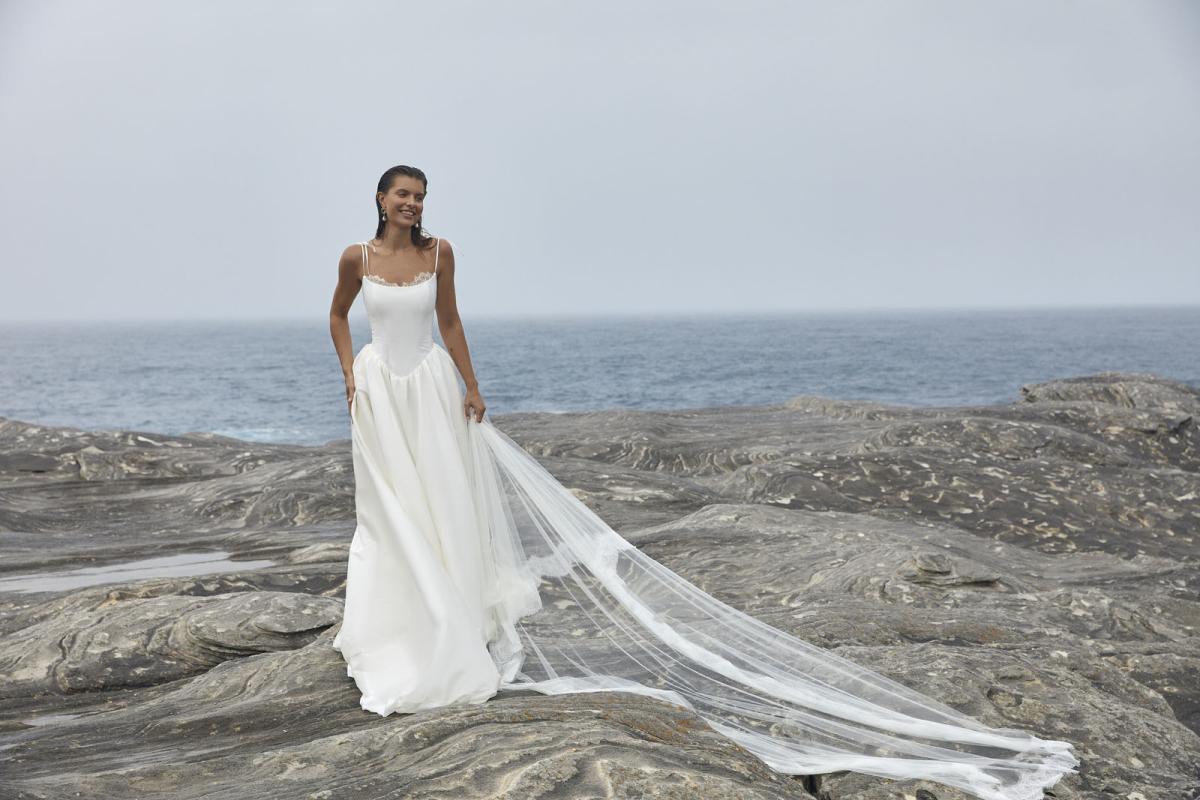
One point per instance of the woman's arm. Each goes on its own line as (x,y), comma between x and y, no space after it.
(348,286)
(451,327)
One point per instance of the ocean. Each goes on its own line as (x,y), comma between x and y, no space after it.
(281,381)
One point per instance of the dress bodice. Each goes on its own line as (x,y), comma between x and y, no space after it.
(400,316)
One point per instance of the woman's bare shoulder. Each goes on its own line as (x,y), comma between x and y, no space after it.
(352,259)
(445,255)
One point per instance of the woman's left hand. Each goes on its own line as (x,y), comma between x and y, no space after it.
(473,403)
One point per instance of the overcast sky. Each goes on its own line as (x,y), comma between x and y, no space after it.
(212,160)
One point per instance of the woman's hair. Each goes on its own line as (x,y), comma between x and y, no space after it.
(419,237)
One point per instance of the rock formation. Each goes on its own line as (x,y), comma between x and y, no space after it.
(167,602)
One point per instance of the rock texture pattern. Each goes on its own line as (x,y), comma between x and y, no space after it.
(167,602)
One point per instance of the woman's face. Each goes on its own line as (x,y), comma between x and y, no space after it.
(404,202)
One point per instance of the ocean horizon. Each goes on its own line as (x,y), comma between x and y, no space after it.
(280,381)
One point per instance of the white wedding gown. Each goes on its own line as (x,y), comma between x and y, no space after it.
(473,570)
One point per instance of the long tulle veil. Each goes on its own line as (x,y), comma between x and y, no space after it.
(617,620)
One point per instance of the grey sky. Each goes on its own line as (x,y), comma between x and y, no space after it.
(212,160)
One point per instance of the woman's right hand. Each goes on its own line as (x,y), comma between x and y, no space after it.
(349,394)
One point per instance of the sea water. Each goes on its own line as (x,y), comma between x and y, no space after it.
(281,381)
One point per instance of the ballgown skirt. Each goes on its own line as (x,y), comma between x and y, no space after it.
(472,570)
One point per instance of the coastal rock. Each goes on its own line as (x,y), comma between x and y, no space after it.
(121,642)
(1127,390)
(168,603)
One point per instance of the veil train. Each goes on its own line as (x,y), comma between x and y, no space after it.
(624,622)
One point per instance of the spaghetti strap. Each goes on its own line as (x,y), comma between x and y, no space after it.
(366,268)
(437,251)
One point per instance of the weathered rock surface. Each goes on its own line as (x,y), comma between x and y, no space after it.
(1035,565)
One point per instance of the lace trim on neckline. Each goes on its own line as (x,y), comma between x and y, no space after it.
(420,277)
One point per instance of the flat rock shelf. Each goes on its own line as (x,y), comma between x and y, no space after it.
(167,602)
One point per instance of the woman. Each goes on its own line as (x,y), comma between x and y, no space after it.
(472,570)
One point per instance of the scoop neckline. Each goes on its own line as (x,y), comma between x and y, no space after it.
(379,281)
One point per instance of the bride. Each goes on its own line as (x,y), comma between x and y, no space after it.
(472,570)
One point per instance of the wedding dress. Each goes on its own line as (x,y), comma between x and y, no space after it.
(472,570)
